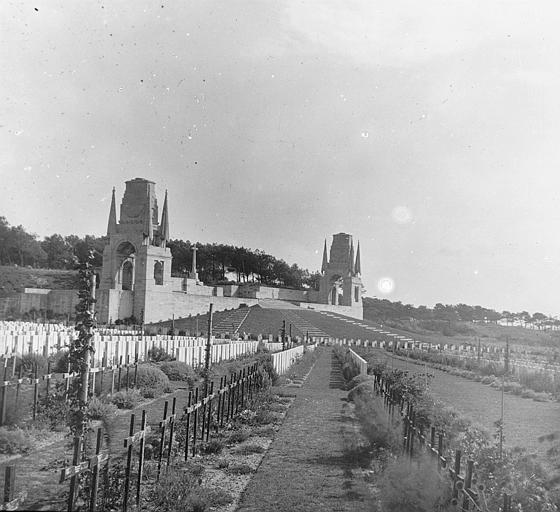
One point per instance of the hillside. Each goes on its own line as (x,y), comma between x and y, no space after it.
(15,279)
(440,326)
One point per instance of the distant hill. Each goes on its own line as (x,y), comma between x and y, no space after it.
(461,322)
(15,279)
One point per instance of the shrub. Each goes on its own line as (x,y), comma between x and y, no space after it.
(372,417)
(222,464)
(263,417)
(28,361)
(349,370)
(358,379)
(14,441)
(54,409)
(157,354)
(151,381)
(98,410)
(176,490)
(264,360)
(178,371)
(59,361)
(238,436)
(414,488)
(249,448)
(365,388)
(214,446)
(265,431)
(240,469)
(126,399)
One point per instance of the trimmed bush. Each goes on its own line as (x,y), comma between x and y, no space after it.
(151,381)
(127,399)
(178,371)
(98,410)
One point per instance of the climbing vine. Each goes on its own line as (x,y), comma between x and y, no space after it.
(81,347)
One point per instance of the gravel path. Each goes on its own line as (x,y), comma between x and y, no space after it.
(309,466)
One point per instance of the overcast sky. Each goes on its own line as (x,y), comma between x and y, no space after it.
(428,130)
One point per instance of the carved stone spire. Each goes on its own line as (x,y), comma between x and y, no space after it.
(325,263)
(351,257)
(112,224)
(358,265)
(164,226)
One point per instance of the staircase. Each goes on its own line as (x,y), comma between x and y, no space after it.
(230,322)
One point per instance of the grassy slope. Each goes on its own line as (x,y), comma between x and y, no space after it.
(15,279)
(488,333)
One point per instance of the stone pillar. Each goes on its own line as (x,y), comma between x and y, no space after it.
(194,275)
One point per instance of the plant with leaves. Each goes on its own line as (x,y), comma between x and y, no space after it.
(81,346)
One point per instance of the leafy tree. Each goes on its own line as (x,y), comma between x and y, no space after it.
(59,252)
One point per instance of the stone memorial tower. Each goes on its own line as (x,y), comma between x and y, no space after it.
(341,283)
(136,260)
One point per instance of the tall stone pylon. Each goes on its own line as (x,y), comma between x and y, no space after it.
(340,283)
(136,273)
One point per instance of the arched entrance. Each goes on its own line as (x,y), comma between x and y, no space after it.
(126,257)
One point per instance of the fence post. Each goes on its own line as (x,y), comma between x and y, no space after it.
(5,384)
(141,459)
(456,471)
(440,449)
(95,475)
(195,421)
(9,483)
(171,429)
(74,478)
(35,392)
(209,413)
(136,371)
(128,465)
(162,440)
(120,373)
(468,483)
(189,401)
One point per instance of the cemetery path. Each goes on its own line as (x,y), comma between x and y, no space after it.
(310,465)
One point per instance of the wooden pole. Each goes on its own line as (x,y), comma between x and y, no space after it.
(85,373)
(208,341)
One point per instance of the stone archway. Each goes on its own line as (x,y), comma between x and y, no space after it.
(127,275)
(126,254)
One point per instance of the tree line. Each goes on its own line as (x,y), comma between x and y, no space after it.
(222,263)
(383,309)
(216,263)
(19,247)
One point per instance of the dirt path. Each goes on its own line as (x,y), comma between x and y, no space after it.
(39,472)
(309,466)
